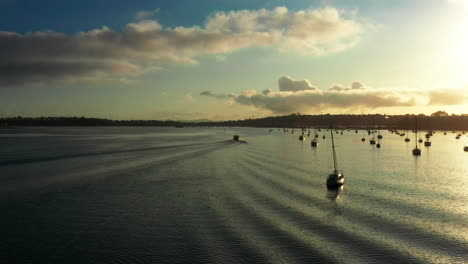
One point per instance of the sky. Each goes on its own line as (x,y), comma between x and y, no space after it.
(223,60)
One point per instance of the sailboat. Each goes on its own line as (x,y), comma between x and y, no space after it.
(336,178)
(428,143)
(372,140)
(407,139)
(416,150)
(314,142)
(378,139)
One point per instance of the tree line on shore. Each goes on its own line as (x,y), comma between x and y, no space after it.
(437,121)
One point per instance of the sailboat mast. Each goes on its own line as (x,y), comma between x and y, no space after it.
(416,134)
(333,148)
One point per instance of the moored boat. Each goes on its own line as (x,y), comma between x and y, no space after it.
(336,178)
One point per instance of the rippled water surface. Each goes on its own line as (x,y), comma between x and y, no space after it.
(189,195)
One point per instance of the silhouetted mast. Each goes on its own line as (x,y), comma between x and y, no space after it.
(416,133)
(333,148)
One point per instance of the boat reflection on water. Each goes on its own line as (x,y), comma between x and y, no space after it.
(335,211)
(334,194)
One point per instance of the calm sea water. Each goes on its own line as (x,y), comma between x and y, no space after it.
(189,195)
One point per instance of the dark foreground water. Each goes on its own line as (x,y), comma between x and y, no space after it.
(188,195)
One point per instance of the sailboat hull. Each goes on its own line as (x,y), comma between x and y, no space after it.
(335,180)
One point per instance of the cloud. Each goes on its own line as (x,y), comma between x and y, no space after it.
(448,97)
(303,101)
(340,97)
(356,85)
(104,54)
(146,14)
(216,95)
(267,91)
(286,83)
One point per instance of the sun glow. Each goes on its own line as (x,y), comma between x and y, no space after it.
(451,49)
(463,3)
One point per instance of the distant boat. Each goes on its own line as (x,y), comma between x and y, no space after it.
(314,143)
(416,150)
(372,141)
(236,138)
(378,139)
(301,137)
(465,148)
(407,139)
(336,178)
(420,140)
(363,139)
(428,135)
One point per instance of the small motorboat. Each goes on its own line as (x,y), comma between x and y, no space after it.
(237,139)
(301,137)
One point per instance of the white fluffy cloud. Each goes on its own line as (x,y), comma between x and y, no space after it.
(286,83)
(342,97)
(44,57)
(356,85)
